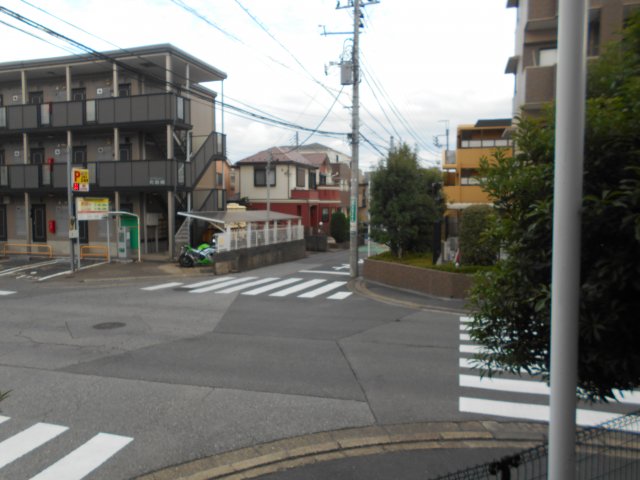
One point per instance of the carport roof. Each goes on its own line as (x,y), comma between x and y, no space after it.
(236,216)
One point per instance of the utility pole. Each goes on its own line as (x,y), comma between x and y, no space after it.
(355,133)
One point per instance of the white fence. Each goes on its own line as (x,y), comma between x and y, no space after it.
(254,237)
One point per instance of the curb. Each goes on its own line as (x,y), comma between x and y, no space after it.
(279,455)
(359,285)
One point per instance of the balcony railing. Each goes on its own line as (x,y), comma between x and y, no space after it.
(159,107)
(139,174)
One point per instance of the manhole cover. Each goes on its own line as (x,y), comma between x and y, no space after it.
(108,325)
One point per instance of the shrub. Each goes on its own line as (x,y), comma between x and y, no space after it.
(477,247)
(339,227)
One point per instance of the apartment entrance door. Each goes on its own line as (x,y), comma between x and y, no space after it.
(39,223)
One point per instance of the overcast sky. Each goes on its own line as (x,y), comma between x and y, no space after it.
(424,61)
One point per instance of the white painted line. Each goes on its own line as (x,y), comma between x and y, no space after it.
(324,272)
(466,319)
(471,349)
(3,419)
(6,292)
(340,296)
(322,290)
(465,337)
(31,266)
(529,411)
(162,286)
(208,282)
(217,286)
(505,385)
(632,398)
(247,285)
(297,288)
(83,460)
(273,286)
(21,443)
(464,327)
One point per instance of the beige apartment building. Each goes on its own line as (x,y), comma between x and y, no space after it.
(534,61)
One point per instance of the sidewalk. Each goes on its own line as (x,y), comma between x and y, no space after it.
(410,451)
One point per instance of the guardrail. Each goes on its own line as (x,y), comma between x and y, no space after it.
(94,251)
(27,249)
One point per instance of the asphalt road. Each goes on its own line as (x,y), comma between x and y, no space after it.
(186,375)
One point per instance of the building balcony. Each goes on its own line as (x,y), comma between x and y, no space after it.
(465,194)
(323,193)
(159,108)
(138,175)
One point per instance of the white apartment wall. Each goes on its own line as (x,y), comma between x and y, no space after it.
(202,119)
(285,182)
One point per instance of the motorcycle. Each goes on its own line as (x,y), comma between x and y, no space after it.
(201,255)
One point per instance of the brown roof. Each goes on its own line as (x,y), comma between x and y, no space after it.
(316,159)
(277,155)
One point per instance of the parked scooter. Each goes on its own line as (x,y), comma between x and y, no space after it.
(202,255)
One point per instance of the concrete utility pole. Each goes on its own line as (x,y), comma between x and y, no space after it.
(565,269)
(355,132)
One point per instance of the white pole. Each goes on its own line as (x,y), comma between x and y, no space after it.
(565,276)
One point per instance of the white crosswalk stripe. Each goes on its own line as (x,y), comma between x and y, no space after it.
(74,466)
(520,389)
(4,293)
(272,286)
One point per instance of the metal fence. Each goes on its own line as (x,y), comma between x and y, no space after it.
(247,238)
(608,451)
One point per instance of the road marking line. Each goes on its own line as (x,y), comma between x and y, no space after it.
(326,272)
(208,282)
(247,285)
(20,268)
(161,286)
(466,319)
(6,292)
(464,327)
(85,459)
(529,411)
(3,419)
(297,288)
(505,385)
(228,283)
(465,337)
(339,296)
(21,443)
(273,286)
(471,349)
(322,290)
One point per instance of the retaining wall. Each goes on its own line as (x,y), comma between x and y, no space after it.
(423,280)
(256,257)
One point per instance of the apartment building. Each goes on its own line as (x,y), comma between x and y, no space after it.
(535,57)
(461,186)
(138,120)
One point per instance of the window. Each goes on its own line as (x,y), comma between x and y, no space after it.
(219,179)
(260,179)
(180,107)
(323,179)
(547,57)
(1,101)
(2,161)
(124,90)
(36,155)
(325,215)
(78,94)
(36,98)
(312,180)
(469,176)
(79,155)
(300,180)
(125,152)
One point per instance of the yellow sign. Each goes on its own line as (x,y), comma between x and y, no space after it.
(90,208)
(80,179)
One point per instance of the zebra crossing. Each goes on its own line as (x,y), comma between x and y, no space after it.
(4,293)
(271,286)
(525,397)
(75,465)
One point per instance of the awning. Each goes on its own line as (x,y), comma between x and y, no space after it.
(222,219)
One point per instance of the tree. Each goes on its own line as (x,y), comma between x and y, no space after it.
(512,302)
(405,202)
(476,245)
(339,227)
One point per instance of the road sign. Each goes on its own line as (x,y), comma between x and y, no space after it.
(80,179)
(89,208)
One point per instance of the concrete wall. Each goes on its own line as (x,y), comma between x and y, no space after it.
(422,280)
(256,257)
